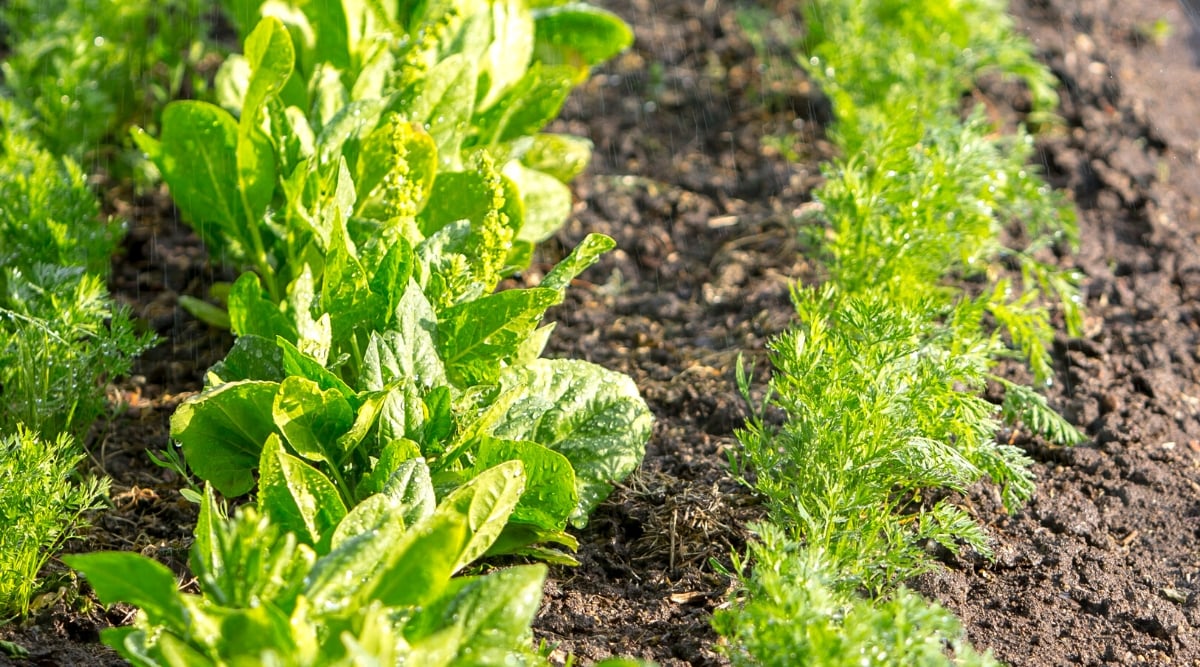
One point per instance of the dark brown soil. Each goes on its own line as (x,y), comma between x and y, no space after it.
(1102,567)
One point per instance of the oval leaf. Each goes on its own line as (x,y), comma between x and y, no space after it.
(312,419)
(223,430)
(592,416)
(298,497)
(550,496)
(487,502)
(579,34)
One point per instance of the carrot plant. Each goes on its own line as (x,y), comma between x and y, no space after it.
(75,72)
(803,613)
(61,340)
(87,70)
(880,378)
(42,502)
(61,337)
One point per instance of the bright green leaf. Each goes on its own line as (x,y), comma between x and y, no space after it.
(476,336)
(546,201)
(584,255)
(486,501)
(252,313)
(392,459)
(410,484)
(256,184)
(464,195)
(592,416)
(134,579)
(346,127)
(392,276)
(251,358)
(312,419)
(560,155)
(297,497)
(528,106)
(409,349)
(198,160)
(223,430)
(507,56)
(364,517)
(346,293)
(417,567)
(271,57)
(524,539)
(550,496)
(364,420)
(445,104)
(402,413)
(298,363)
(256,631)
(314,336)
(580,35)
(484,618)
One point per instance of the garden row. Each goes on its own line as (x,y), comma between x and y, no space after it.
(59,336)
(381,170)
(376,171)
(880,380)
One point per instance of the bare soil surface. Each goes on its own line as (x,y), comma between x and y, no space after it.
(1102,567)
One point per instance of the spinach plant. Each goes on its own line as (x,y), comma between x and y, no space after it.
(371,585)
(464,390)
(402,122)
(387,340)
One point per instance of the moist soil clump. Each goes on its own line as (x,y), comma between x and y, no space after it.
(1101,567)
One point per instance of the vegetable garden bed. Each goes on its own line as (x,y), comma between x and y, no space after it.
(1101,566)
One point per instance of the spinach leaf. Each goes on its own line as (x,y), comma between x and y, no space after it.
(223,431)
(384,588)
(592,416)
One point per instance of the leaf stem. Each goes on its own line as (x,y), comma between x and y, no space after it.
(343,488)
